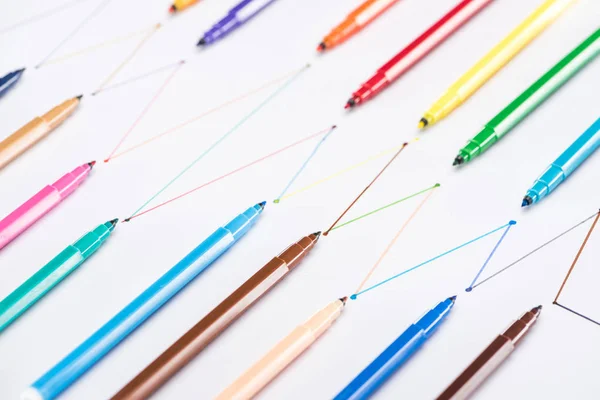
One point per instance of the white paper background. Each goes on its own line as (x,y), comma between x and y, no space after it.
(558,359)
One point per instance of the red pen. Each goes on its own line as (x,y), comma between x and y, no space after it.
(418,49)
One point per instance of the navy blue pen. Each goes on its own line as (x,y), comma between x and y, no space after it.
(8,80)
(380,369)
(238,15)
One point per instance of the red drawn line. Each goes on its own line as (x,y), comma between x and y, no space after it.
(144,111)
(281,150)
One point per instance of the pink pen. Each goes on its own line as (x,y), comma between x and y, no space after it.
(45,200)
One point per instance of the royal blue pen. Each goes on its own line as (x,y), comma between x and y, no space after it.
(70,368)
(380,369)
(564,165)
(237,16)
(8,80)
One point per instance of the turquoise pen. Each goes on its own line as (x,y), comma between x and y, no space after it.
(75,364)
(564,165)
(52,273)
(397,353)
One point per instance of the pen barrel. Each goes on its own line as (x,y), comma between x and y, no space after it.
(21,140)
(370,10)
(27,214)
(477,372)
(38,285)
(203,333)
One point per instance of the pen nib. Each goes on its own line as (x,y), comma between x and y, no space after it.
(321,46)
(453,298)
(344,299)
(317,234)
(458,160)
(423,123)
(201,42)
(91,164)
(172,9)
(350,103)
(113,222)
(526,201)
(262,204)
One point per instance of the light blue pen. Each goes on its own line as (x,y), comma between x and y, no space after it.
(70,368)
(380,369)
(564,165)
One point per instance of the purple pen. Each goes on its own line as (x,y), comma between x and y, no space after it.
(239,14)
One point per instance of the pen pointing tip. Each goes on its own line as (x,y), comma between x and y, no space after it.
(172,9)
(458,160)
(537,310)
(91,164)
(201,42)
(453,298)
(262,204)
(321,46)
(79,97)
(113,222)
(317,234)
(350,103)
(526,201)
(344,299)
(423,123)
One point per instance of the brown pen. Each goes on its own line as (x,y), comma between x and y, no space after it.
(204,332)
(491,358)
(34,131)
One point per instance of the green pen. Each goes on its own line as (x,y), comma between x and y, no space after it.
(52,273)
(530,99)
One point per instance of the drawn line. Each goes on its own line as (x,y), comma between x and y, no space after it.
(144,111)
(391,244)
(510,224)
(535,250)
(222,138)
(386,206)
(137,78)
(281,150)
(304,164)
(577,256)
(95,12)
(354,296)
(575,312)
(343,171)
(94,47)
(40,16)
(129,57)
(366,188)
(205,113)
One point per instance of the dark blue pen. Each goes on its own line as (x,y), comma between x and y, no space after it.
(8,80)
(380,369)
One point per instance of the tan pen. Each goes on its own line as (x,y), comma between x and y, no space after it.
(34,131)
(215,322)
(283,354)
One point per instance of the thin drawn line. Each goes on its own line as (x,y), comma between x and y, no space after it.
(40,16)
(577,257)
(94,47)
(137,78)
(341,172)
(129,57)
(393,241)
(386,206)
(304,164)
(222,138)
(510,224)
(535,250)
(366,188)
(575,312)
(95,12)
(281,150)
(355,295)
(144,111)
(205,113)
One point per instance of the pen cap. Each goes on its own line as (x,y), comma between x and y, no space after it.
(240,224)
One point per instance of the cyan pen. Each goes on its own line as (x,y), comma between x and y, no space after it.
(75,364)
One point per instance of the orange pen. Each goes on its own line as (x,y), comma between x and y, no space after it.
(355,21)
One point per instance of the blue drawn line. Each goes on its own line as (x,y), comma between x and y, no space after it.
(304,165)
(355,295)
(510,224)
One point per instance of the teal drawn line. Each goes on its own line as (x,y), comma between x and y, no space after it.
(386,206)
(510,224)
(355,295)
(304,164)
(215,144)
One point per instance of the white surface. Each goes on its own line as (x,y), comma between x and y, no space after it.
(485,194)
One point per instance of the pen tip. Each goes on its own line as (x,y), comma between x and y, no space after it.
(526,201)
(262,204)
(201,42)
(350,103)
(458,160)
(113,222)
(537,310)
(423,123)
(317,234)
(79,97)
(91,164)
(453,298)
(172,9)
(321,47)
(344,299)
(20,71)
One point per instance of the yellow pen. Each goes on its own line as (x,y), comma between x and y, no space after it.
(493,61)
